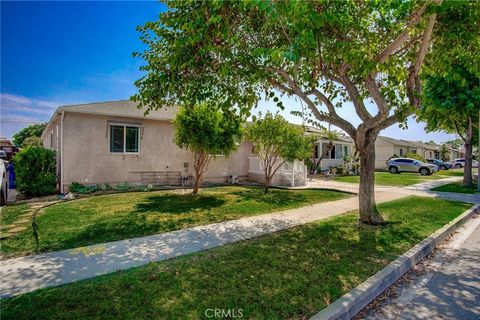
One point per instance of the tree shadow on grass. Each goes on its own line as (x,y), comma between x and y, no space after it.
(279,197)
(178,203)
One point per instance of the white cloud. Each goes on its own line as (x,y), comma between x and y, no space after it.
(19,105)
(15,99)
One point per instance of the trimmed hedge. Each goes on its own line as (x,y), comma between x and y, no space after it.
(35,170)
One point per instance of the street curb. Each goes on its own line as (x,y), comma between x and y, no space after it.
(354,301)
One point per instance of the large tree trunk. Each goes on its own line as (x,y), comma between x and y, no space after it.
(467,173)
(366,195)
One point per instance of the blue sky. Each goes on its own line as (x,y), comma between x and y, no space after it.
(55,53)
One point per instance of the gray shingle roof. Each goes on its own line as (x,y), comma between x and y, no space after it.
(122,108)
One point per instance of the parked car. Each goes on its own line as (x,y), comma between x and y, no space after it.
(397,165)
(3,179)
(442,165)
(460,163)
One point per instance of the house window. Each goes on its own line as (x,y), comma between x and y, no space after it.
(328,154)
(124,139)
(401,152)
(315,154)
(345,150)
(414,151)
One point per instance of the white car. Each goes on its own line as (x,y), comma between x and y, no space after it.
(460,163)
(3,179)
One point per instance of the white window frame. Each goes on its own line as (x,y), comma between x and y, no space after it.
(124,125)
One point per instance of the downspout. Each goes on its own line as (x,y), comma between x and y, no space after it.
(61,152)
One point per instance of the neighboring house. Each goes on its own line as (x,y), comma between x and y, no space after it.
(427,150)
(114,142)
(335,157)
(455,153)
(9,148)
(386,147)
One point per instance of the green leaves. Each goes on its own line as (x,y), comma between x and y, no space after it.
(209,128)
(449,100)
(35,169)
(33,130)
(273,137)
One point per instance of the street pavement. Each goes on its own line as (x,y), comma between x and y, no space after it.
(445,287)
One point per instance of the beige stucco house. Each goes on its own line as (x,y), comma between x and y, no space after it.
(386,147)
(114,142)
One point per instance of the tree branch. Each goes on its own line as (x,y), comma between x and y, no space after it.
(455,123)
(295,89)
(357,100)
(413,81)
(402,37)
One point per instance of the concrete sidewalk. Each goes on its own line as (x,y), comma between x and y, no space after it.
(447,286)
(25,274)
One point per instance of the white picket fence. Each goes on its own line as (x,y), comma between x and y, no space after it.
(292,174)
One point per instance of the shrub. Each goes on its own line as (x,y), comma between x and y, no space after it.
(80,188)
(75,187)
(415,156)
(32,141)
(35,169)
(34,130)
(124,186)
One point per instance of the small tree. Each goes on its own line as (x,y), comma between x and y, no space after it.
(444,153)
(32,141)
(276,142)
(206,131)
(330,136)
(34,130)
(35,170)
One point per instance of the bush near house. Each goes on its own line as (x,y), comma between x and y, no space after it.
(415,156)
(32,141)
(35,169)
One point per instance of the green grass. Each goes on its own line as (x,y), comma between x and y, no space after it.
(10,213)
(121,216)
(457,187)
(451,173)
(388,179)
(286,275)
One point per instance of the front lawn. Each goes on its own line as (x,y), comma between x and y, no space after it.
(457,187)
(388,179)
(286,275)
(127,215)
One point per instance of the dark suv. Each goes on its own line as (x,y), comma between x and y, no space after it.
(440,164)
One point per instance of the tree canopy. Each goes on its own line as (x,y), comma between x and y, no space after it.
(277,141)
(34,130)
(32,141)
(451,102)
(206,131)
(328,54)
